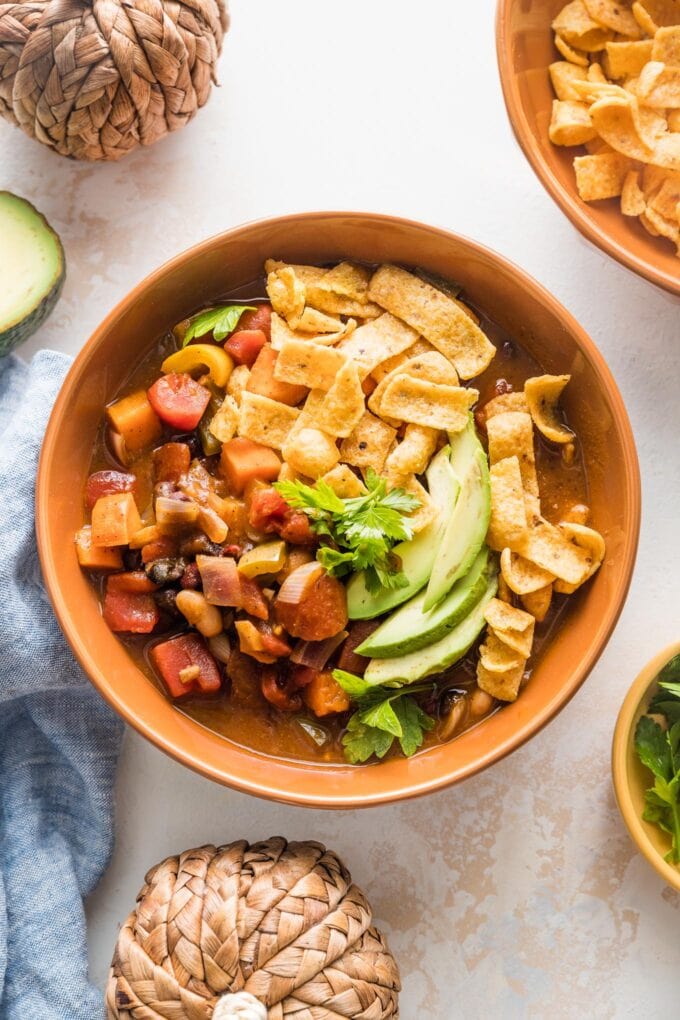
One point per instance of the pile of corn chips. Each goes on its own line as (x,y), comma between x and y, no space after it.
(378,356)
(618,93)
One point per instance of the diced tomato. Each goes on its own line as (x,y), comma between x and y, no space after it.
(261,318)
(242,460)
(159,550)
(296,529)
(263,381)
(130,612)
(273,644)
(254,601)
(324,695)
(245,345)
(132,581)
(280,691)
(171,461)
(303,675)
(171,658)
(266,509)
(104,483)
(179,400)
(321,614)
(358,632)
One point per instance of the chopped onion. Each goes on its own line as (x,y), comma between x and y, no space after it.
(175,511)
(316,654)
(214,526)
(116,445)
(319,734)
(299,582)
(221,580)
(220,647)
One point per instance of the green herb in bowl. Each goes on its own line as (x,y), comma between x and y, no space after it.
(657,742)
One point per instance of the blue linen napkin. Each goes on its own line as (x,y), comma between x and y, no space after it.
(58,743)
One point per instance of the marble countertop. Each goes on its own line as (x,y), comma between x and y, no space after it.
(518,893)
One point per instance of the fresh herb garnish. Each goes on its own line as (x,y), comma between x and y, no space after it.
(361,531)
(382,715)
(659,749)
(218,321)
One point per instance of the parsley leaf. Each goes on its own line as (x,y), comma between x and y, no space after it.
(658,750)
(361,530)
(219,321)
(383,714)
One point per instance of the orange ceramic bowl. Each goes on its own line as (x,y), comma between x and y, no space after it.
(524,42)
(631,778)
(232,260)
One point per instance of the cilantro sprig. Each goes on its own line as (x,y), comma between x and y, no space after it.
(219,321)
(359,531)
(658,747)
(382,716)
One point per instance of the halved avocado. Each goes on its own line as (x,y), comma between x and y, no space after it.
(417,555)
(406,669)
(468,524)
(410,627)
(32,270)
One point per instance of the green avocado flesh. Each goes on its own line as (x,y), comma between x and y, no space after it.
(410,627)
(32,270)
(417,555)
(406,669)
(467,526)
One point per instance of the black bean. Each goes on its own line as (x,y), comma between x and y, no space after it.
(167,570)
(132,559)
(191,440)
(199,544)
(166,601)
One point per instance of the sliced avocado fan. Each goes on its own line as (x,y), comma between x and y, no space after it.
(32,270)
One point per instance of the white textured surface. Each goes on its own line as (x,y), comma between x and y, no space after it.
(519,893)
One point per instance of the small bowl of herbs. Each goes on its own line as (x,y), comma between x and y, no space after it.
(646,763)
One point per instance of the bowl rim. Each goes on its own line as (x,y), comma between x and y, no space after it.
(568,202)
(415,787)
(626,718)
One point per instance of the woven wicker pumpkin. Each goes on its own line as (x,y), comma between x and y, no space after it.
(94,79)
(279,924)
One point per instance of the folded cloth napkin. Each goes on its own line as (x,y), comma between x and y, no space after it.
(58,743)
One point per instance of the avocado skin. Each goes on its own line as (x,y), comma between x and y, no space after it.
(18,332)
(462,598)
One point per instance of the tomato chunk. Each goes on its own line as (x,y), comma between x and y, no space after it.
(177,656)
(104,483)
(245,345)
(243,461)
(358,632)
(261,318)
(280,690)
(267,509)
(179,400)
(253,600)
(321,614)
(130,612)
(296,529)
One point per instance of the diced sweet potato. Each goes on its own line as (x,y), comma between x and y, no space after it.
(115,519)
(171,461)
(324,695)
(134,581)
(242,461)
(262,380)
(174,657)
(93,557)
(131,612)
(159,549)
(135,420)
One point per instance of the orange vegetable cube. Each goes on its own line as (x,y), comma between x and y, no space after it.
(135,420)
(243,461)
(262,381)
(96,557)
(115,519)
(324,695)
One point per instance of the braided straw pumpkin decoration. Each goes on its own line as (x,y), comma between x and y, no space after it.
(277,921)
(93,79)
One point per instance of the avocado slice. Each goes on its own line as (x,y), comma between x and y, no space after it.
(406,669)
(32,270)
(417,555)
(410,627)
(467,526)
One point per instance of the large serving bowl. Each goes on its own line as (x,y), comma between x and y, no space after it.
(524,42)
(234,259)
(631,778)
